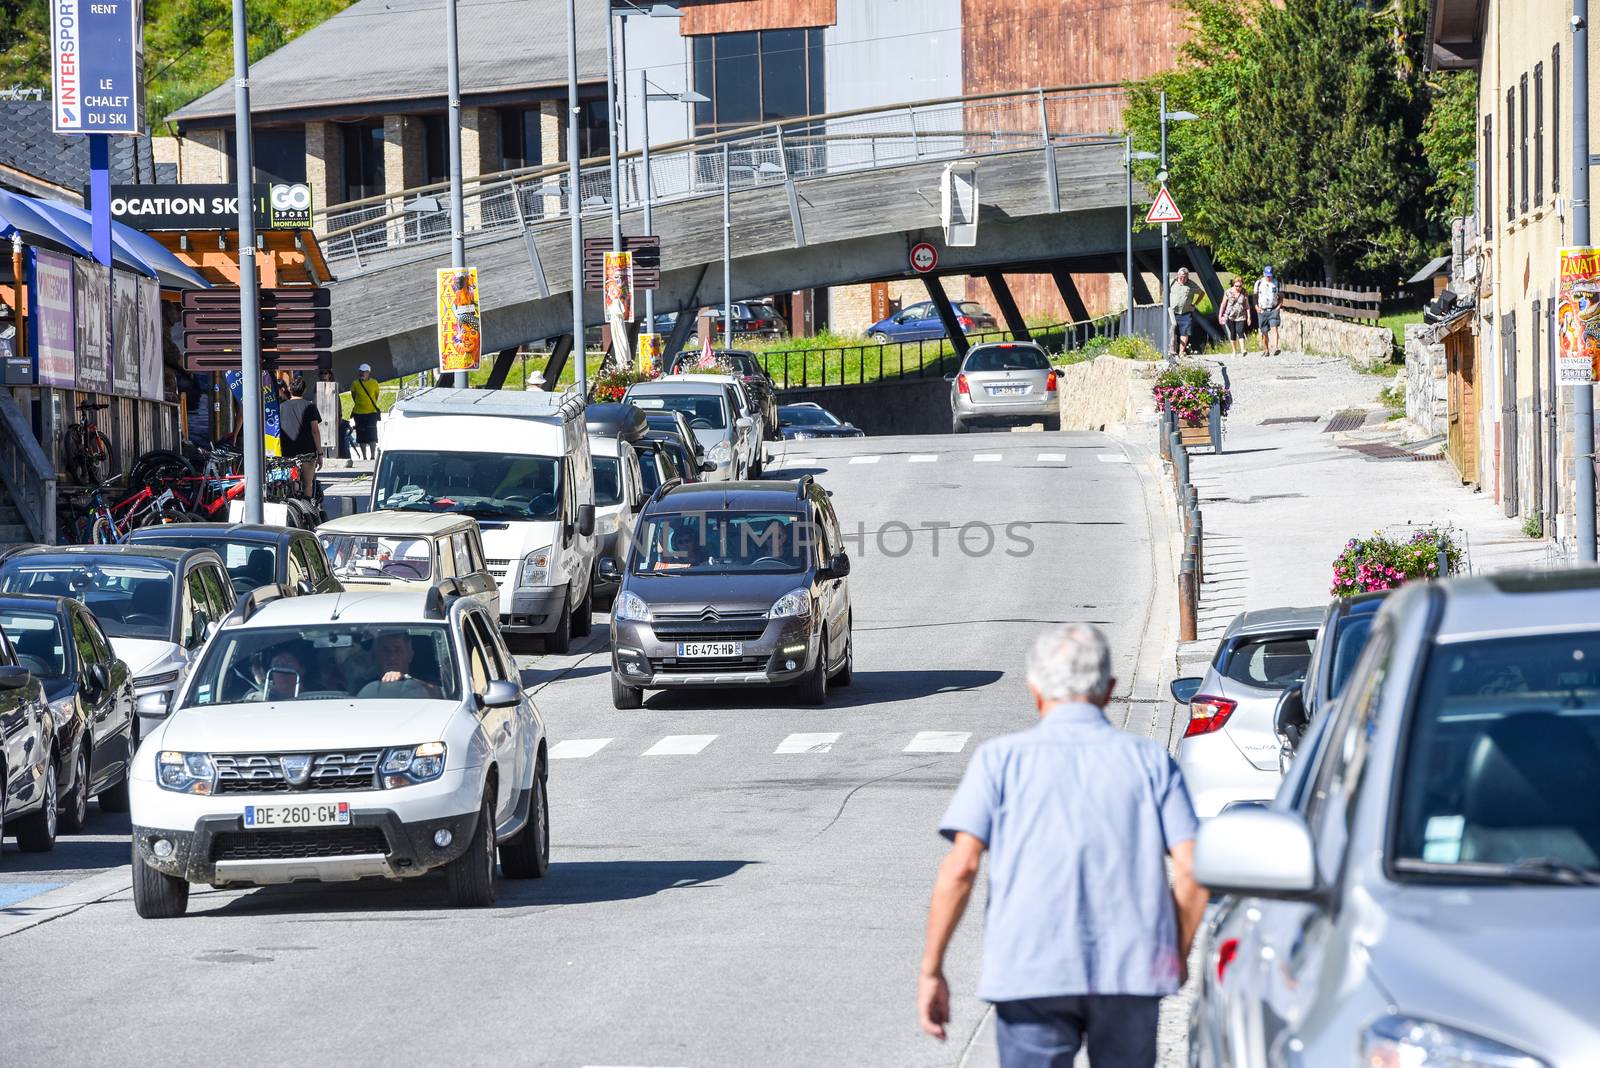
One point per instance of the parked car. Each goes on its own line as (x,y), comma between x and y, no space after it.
(797,422)
(29,797)
(1340,639)
(921,321)
(1007,383)
(675,424)
(1431,897)
(330,738)
(395,549)
(734,585)
(755,379)
(255,554)
(686,465)
(90,696)
(618,485)
(157,603)
(658,464)
(752,321)
(1229,752)
(718,415)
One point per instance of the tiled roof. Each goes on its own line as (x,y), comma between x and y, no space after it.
(29,146)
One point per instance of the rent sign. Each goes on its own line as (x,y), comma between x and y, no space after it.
(97,49)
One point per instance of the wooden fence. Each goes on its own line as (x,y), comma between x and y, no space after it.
(1337,302)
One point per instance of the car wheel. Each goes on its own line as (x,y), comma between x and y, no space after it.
(560,639)
(157,895)
(755,468)
(881,338)
(583,618)
(1052,422)
(470,877)
(75,813)
(814,687)
(36,833)
(527,856)
(624,696)
(957,426)
(847,670)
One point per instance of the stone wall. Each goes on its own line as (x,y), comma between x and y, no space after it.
(903,406)
(1107,391)
(1363,346)
(1427,387)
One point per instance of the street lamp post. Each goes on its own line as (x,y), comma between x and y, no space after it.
(1129,156)
(574,201)
(727,254)
(1166,267)
(250,350)
(645,97)
(611,128)
(458,239)
(1582,395)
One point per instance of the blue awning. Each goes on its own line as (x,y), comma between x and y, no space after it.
(168,269)
(70,229)
(19,216)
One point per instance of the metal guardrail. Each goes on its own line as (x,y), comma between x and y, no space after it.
(774,155)
(27,472)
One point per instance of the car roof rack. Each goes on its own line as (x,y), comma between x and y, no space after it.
(257,599)
(436,604)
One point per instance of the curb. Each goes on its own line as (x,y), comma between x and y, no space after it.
(64,901)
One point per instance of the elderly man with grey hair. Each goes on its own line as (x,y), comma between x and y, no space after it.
(1084,934)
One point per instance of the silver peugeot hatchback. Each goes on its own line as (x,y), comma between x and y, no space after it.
(1004,383)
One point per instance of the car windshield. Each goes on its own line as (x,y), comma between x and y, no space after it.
(378,557)
(607,480)
(249,563)
(487,485)
(130,599)
(706,411)
(1503,759)
(1348,641)
(36,639)
(806,417)
(1006,358)
(719,543)
(1270,663)
(327,662)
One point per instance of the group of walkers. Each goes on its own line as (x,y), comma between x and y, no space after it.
(1239,311)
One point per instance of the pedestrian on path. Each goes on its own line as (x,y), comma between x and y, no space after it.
(1269,301)
(300,424)
(1083,935)
(1180,303)
(364,411)
(1234,315)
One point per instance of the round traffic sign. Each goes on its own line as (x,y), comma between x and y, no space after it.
(924,257)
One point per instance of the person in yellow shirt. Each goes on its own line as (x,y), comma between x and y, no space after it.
(364,411)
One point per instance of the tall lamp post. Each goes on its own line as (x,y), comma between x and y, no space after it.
(1582,395)
(574,201)
(1129,155)
(458,238)
(646,97)
(1166,266)
(255,446)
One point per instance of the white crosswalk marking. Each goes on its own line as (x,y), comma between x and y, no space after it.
(922,458)
(680,745)
(799,461)
(1111,458)
(1051,457)
(986,458)
(938,742)
(577,748)
(864,459)
(807,743)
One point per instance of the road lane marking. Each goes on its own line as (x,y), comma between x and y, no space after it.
(938,742)
(1111,458)
(1051,458)
(680,745)
(922,458)
(986,458)
(807,743)
(799,461)
(578,748)
(865,459)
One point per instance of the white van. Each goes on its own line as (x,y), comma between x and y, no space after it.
(517,462)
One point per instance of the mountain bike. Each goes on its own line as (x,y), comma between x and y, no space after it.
(88,450)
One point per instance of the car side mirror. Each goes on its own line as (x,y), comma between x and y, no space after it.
(837,568)
(585,520)
(899,318)
(951,377)
(706,467)
(304,587)
(197,628)
(501,694)
(14,676)
(744,422)
(1290,716)
(608,569)
(1183,690)
(101,676)
(1257,852)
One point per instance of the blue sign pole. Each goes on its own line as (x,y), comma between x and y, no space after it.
(100,195)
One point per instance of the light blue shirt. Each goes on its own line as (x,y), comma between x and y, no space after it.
(1078,817)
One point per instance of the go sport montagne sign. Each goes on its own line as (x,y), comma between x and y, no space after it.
(279,206)
(97,66)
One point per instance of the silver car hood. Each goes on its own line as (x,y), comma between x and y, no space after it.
(709,438)
(1512,963)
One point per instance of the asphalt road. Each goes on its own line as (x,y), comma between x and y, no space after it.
(737,879)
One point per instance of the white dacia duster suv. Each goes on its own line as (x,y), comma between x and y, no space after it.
(341,736)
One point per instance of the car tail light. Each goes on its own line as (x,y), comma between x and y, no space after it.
(1208,714)
(1050,382)
(965,321)
(1225,954)
(961,384)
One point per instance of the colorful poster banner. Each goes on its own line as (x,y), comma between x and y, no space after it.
(1578,317)
(270,431)
(460,331)
(619,285)
(125,332)
(651,348)
(151,372)
(92,301)
(51,326)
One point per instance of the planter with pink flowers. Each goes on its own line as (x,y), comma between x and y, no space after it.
(1385,561)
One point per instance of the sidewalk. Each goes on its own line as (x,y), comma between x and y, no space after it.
(1284,497)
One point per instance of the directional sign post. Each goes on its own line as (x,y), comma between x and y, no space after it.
(1163,209)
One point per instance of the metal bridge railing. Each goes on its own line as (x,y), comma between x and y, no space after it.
(797,150)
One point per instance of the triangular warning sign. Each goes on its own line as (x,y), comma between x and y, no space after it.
(1163,209)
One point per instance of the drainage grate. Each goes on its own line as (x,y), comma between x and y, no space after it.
(1380,451)
(1284,419)
(1351,419)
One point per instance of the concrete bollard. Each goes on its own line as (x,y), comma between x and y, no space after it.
(1180,465)
(1191,549)
(1200,544)
(1191,497)
(1188,606)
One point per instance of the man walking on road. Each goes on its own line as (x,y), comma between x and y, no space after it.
(1268,311)
(1083,936)
(364,412)
(1180,302)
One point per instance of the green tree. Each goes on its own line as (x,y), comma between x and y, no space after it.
(1450,141)
(24,44)
(1308,155)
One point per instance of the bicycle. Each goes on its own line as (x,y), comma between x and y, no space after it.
(88,450)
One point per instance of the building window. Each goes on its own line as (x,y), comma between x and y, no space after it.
(1523,142)
(363,159)
(757,76)
(521,138)
(1510,135)
(1555,119)
(1488,177)
(594,136)
(1538,134)
(279,154)
(435,149)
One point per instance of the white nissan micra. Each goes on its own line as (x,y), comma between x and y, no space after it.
(338,737)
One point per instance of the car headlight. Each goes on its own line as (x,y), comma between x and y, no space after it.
(535,568)
(1408,1042)
(796,604)
(606,524)
(720,453)
(630,606)
(409,765)
(186,773)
